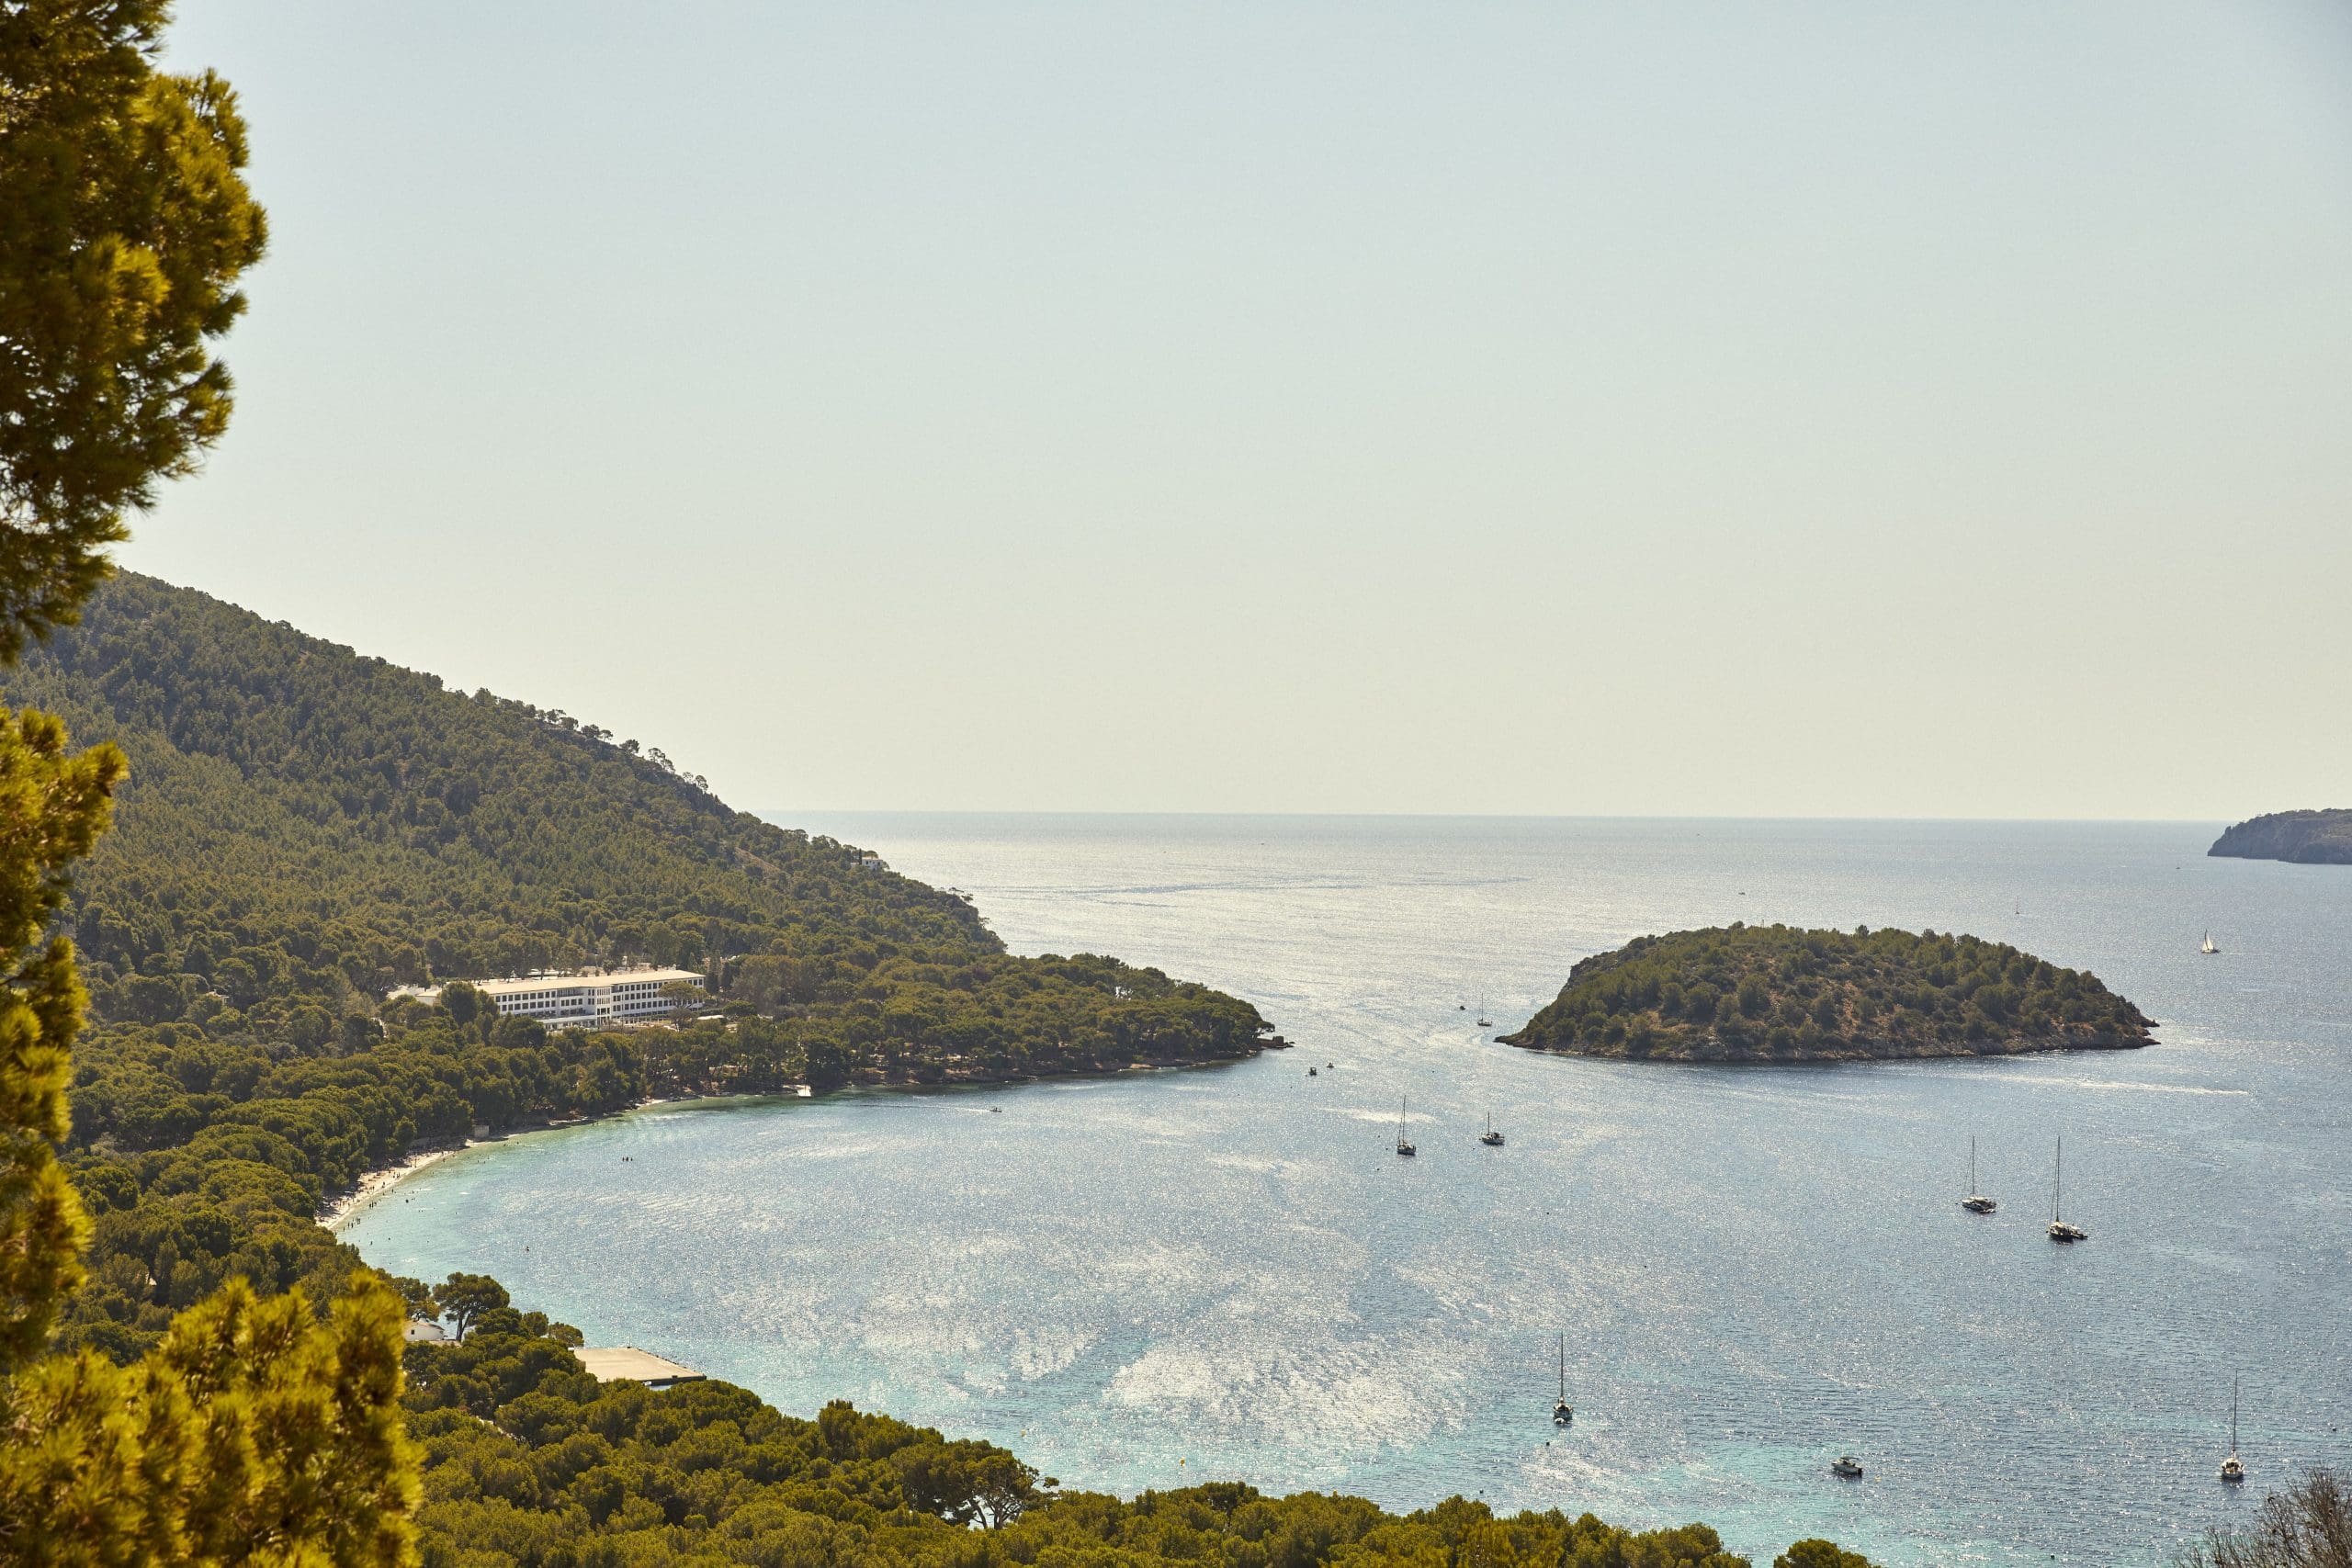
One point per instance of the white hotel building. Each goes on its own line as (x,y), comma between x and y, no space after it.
(591,997)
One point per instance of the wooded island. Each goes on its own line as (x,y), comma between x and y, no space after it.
(1743,993)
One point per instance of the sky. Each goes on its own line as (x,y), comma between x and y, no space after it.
(1842,410)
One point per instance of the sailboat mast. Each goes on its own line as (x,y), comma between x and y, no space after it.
(2234,1413)
(2057,1181)
(1971,1167)
(1564,1387)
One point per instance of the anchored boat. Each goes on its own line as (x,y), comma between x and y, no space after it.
(2059,1231)
(2232,1470)
(1976,1202)
(1562,1412)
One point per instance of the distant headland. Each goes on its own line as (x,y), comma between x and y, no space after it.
(1742,993)
(2306,837)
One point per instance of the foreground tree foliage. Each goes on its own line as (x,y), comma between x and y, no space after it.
(124,224)
(529,1461)
(2307,1526)
(254,1432)
(1778,993)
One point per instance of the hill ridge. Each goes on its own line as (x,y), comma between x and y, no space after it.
(308,826)
(2321,837)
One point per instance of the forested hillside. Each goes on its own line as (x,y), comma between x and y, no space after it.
(305,827)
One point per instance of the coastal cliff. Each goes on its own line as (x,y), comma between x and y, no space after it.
(2306,837)
(1743,993)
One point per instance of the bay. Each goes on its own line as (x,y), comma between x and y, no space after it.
(1228,1273)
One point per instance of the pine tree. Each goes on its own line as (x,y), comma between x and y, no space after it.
(124,224)
(255,1432)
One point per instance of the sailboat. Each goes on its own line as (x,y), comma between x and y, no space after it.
(2232,1470)
(2207,947)
(1491,1138)
(2059,1231)
(1562,1412)
(1484,1022)
(1976,1202)
(1403,1145)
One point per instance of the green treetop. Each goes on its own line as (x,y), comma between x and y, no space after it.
(124,225)
(255,1432)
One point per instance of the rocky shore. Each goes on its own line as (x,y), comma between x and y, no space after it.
(2304,838)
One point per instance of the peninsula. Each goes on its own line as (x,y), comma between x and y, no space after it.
(2305,838)
(1742,993)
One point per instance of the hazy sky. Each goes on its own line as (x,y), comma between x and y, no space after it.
(1938,410)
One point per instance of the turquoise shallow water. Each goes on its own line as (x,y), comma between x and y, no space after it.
(1228,1273)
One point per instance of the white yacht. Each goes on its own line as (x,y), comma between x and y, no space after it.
(1976,1202)
(2232,1470)
(2059,1231)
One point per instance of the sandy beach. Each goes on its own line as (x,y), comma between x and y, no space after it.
(337,1211)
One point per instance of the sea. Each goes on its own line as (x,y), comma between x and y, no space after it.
(1174,1277)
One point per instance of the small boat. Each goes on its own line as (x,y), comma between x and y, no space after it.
(2233,1473)
(1563,1412)
(1403,1145)
(2207,947)
(1846,1467)
(1310,1071)
(2059,1231)
(1484,1022)
(1976,1202)
(1491,1138)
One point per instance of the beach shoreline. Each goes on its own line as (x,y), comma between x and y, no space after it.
(339,1210)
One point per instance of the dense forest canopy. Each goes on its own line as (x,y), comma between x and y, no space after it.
(305,828)
(1779,993)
